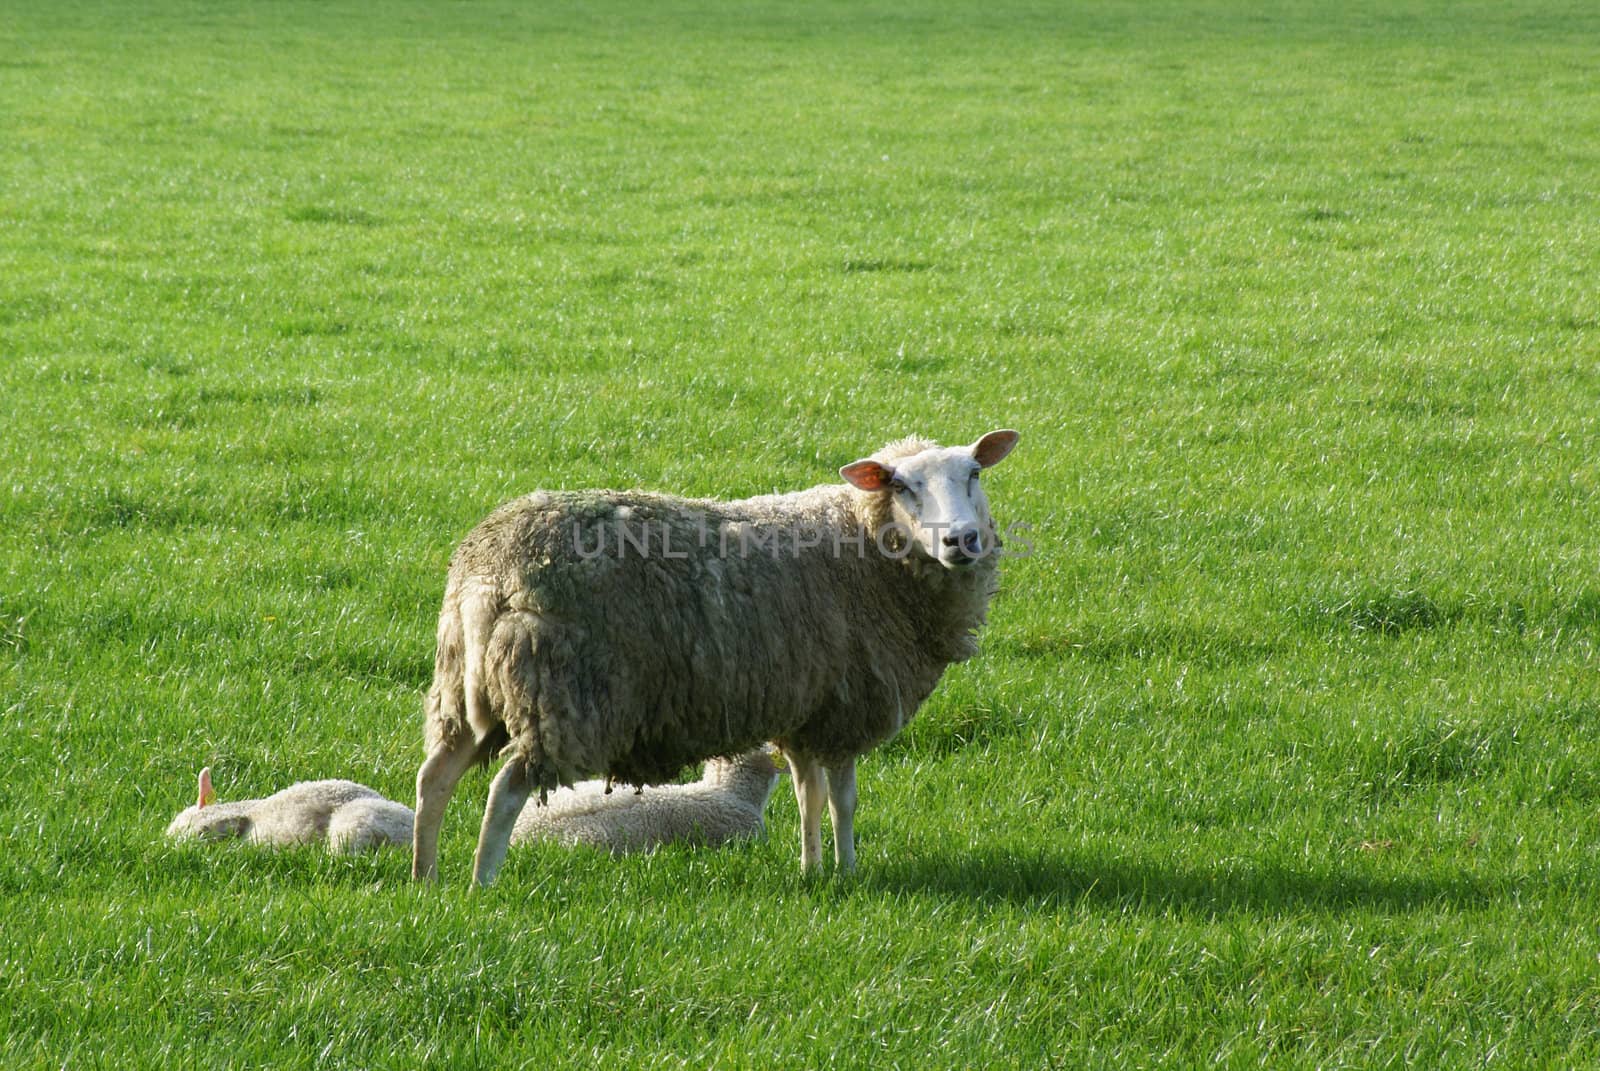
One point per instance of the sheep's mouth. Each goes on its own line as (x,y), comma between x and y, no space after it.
(964,551)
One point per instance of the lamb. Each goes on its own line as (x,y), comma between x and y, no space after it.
(725,804)
(351,817)
(819,620)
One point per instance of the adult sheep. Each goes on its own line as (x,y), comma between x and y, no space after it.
(631,634)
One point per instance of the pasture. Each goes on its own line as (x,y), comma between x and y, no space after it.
(1284,746)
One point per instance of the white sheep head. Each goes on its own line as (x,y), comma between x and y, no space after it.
(937,498)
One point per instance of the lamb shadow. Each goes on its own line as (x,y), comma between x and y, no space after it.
(1042,879)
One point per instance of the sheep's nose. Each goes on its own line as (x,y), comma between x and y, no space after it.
(963,546)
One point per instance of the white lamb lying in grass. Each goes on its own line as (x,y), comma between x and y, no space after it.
(725,804)
(350,817)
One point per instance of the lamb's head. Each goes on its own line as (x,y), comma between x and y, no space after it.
(750,775)
(209,819)
(933,494)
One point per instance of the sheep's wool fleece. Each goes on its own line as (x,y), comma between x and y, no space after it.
(725,804)
(635,665)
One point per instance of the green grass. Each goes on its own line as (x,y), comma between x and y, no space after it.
(1284,749)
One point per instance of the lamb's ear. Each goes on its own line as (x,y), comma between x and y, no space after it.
(993,447)
(867,475)
(208,795)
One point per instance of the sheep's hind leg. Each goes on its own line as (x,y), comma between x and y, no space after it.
(842,809)
(510,791)
(436,783)
(808,792)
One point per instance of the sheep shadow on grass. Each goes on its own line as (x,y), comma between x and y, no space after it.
(1043,880)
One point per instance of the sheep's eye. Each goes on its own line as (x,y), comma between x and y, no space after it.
(898,486)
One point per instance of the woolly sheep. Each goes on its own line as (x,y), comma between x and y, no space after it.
(678,642)
(349,816)
(725,804)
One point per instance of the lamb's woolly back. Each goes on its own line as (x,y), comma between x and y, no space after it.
(725,804)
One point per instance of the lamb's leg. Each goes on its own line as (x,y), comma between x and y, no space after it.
(507,795)
(808,791)
(436,783)
(842,809)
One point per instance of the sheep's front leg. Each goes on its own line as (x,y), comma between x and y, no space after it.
(436,783)
(842,809)
(807,773)
(507,795)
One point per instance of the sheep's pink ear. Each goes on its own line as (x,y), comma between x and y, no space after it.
(867,475)
(208,795)
(993,447)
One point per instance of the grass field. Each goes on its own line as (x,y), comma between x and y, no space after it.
(1284,749)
